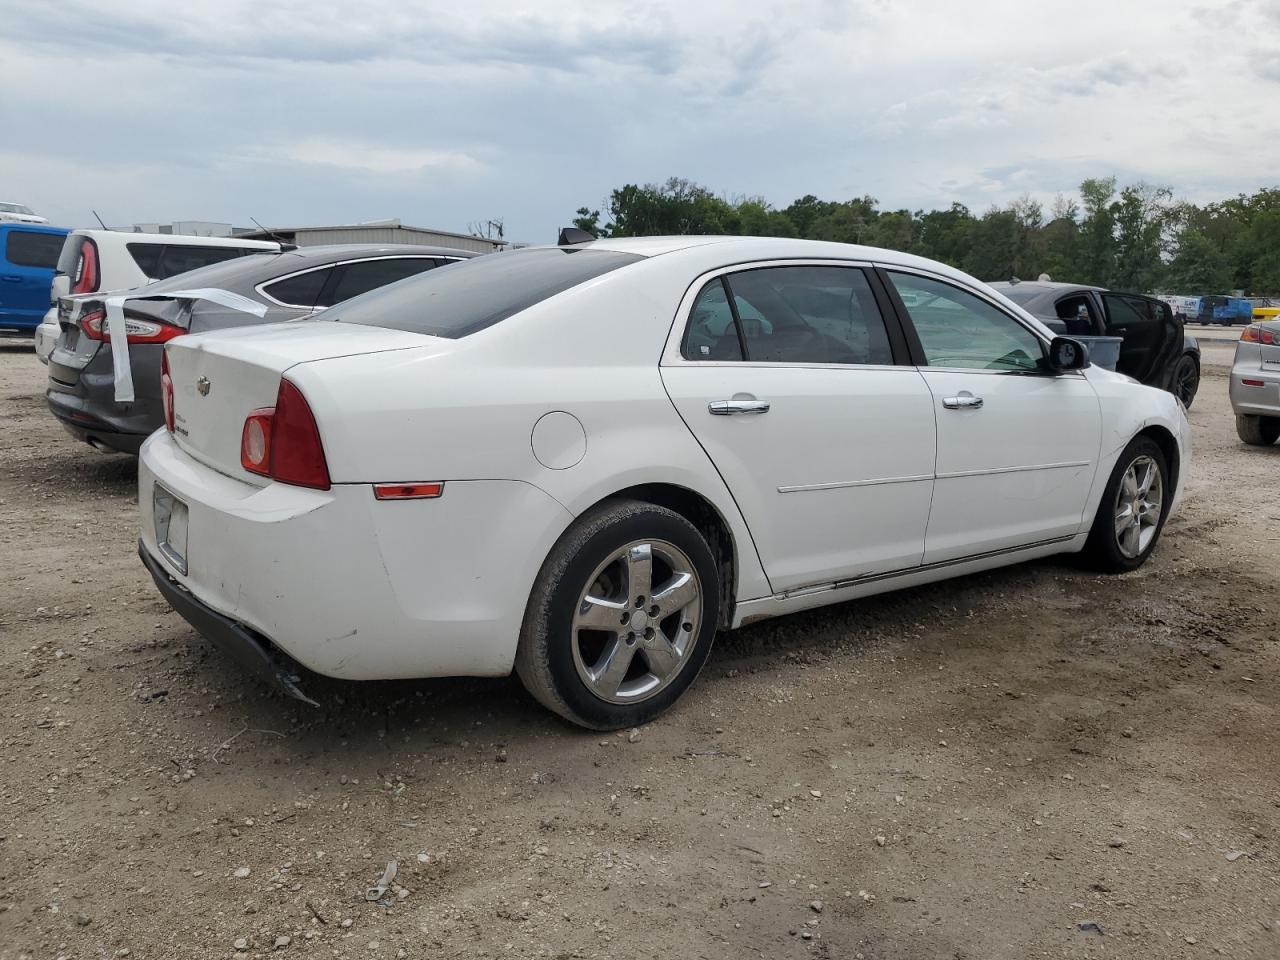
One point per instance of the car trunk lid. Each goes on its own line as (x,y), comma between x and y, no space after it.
(219,378)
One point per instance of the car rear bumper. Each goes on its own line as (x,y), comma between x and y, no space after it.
(350,586)
(253,652)
(1255,390)
(46,335)
(83,398)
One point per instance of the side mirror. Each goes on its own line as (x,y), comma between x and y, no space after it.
(1067,354)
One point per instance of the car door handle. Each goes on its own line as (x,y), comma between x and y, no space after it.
(729,408)
(961,403)
(11,279)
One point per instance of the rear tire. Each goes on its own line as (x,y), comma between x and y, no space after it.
(1186,379)
(1131,515)
(622,616)
(1258,431)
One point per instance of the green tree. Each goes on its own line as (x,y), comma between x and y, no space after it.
(1139,216)
(1198,267)
(945,235)
(1096,249)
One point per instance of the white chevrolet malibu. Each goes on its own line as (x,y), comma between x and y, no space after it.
(580,462)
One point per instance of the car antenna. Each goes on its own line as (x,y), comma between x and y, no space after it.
(571,235)
(99,219)
(285,245)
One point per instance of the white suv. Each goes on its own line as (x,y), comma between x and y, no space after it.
(105,261)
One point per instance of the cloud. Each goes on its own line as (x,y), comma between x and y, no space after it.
(373,158)
(308,111)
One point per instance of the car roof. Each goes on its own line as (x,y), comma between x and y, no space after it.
(732,249)
(39,227)
(1042,286)
(244,273)
(181,239)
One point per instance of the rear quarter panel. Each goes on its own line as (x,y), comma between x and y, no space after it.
(466,410)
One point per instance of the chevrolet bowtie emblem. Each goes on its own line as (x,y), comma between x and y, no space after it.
(203,386)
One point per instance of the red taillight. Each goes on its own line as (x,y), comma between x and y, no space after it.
(1259,334)
(255,441)
(407,491)
(1253,383)
(94,325)
(283,442)
(88,272)
(166,391)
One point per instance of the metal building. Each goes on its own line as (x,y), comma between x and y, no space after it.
(380,231)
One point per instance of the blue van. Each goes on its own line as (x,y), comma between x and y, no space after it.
(1223,310)
(28,256)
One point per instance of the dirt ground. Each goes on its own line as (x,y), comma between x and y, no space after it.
(1035,762)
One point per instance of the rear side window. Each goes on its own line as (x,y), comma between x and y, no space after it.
(361,277)
(806,314)
(147,257)
(181,258)
(25,248)
(478,293)
(300,290)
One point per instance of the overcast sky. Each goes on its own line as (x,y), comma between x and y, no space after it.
(310,111)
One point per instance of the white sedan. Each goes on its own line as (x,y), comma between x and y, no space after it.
(580,462)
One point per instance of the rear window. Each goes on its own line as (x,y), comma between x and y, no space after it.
(475,294)
(25,248)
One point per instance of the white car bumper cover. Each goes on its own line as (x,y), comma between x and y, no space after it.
(353,587)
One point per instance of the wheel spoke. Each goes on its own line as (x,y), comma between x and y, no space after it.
(639,570)
(1124,519)
(679,592)
(662,655)
(1130,483)
(1149,474)
(1132,537)
(611,669)
(595,613)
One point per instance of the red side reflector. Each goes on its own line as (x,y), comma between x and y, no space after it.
(407,491)
(1253,383)
(166,392)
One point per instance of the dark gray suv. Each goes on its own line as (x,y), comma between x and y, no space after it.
(288,285)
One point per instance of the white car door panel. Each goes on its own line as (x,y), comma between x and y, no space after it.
(834,480)
(1017,443)
(1016,469)
(825,444)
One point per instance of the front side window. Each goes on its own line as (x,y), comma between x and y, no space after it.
(1126,314)
(959,329)
(25,248)
(801,314)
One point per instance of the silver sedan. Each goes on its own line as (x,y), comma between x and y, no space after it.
(1255,384)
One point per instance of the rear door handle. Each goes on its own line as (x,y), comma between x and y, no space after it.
(961,403)
(729,408)
(11,279)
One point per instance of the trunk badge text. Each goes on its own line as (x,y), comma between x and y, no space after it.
(203,386)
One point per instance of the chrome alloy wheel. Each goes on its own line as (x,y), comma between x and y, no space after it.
(1138,505)
(636,621)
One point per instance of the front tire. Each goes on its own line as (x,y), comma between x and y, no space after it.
(622,616)
(1258,431)
(1131,515)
